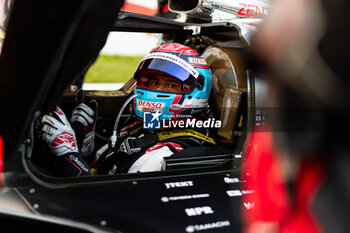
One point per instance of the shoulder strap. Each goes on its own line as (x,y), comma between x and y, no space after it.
(184,133)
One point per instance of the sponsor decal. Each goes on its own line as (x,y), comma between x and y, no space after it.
(66,140)
(207,226)
(195,60)
(179,184)
(175,59)
(185,197)
(251,10)
(247,191)
(150,104)
(151,120)
(175,107)
(196,211)
(249,205)
(229,180)
(194,103)
(234,193)
(77,161)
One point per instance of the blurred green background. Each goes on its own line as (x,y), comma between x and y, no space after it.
(112,69)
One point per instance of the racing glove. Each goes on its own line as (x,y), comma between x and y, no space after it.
(59,135)
(84,122)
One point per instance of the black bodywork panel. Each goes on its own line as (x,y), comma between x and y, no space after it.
(149,205)
(47,45)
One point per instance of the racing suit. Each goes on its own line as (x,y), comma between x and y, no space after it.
(144,150)
(137,149)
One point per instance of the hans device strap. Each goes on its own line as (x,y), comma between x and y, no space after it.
(132,145)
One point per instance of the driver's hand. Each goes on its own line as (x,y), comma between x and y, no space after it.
(58,133)
(84,122)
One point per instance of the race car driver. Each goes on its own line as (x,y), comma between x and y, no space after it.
(173,85)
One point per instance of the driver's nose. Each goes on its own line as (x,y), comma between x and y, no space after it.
(160,87)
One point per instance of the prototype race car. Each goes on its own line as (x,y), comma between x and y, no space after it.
(48,45)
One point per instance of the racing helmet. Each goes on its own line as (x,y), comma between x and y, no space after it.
(183,64)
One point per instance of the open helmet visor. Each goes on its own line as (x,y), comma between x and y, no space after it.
(165,63)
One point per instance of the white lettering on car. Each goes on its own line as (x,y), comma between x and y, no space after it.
(199,211)
(229,180)
(179,184)
(206,226)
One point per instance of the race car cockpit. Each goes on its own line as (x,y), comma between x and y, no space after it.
(228,99)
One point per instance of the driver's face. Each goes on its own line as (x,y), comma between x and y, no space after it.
(164,83)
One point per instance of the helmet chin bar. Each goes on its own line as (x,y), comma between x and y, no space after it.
(181,105)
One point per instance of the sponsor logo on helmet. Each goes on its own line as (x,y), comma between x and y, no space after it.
(175,106)
(195,60)
(149,104)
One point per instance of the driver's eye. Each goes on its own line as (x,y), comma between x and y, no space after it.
(172,86)
(153,83)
